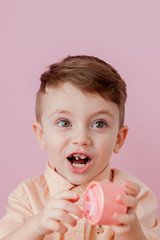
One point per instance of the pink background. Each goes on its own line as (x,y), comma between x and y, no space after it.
(35,33)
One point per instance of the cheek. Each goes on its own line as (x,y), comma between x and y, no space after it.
(56,143)
(106,145)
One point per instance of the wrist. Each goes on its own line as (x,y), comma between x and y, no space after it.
(38,231)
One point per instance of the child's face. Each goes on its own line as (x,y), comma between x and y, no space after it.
(80,132)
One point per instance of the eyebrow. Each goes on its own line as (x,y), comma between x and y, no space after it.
(59,111)
(102,112)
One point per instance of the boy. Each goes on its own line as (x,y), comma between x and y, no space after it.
(80,121)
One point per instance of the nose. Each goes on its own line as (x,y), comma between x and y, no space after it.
(81,138)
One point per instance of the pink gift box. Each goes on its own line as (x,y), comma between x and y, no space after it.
(100,203)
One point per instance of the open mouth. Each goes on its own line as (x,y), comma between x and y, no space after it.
(79,162)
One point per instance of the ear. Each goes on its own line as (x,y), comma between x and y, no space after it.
(38,129)
(121,136)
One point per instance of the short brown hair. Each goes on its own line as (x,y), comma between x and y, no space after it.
(87,73)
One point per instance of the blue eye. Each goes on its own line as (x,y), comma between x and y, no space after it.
(64,123)
(99,124)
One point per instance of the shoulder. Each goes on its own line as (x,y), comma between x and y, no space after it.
(38,181)
(145,194)
(25,201)
(30,189)
(119,176)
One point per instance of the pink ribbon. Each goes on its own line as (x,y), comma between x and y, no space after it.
(91,205)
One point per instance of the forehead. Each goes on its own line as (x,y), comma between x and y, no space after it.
(69,98)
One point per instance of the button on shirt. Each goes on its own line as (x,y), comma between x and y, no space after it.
(32,195)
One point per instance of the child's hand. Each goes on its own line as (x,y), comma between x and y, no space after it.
(129,227)
(56,212)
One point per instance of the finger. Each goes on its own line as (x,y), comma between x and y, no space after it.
(68,207)
(63,216)
(127,200)
(55,226)
(125,219)
(131,188)
(72,196)
(121,229)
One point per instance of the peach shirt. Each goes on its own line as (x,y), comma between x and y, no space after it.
(32,195)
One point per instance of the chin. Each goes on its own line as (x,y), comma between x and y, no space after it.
(78,181)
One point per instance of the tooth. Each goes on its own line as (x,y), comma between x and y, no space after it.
(79,165)
(76,156)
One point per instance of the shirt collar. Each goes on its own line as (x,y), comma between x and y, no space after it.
(57,183)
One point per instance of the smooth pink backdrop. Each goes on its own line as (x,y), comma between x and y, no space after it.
(35,33)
